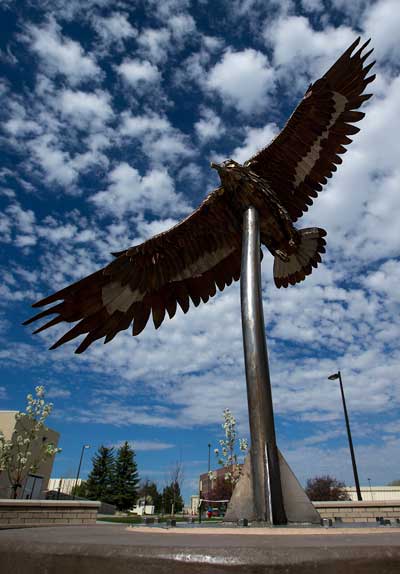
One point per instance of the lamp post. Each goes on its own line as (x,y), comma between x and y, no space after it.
(346,416)
(85,446)
(209,459)
(370,488)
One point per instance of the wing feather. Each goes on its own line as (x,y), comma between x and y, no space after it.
(305,153)
(173,268)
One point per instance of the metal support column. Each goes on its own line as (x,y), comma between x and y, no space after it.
(267,489)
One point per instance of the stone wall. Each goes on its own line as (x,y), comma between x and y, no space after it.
(17,513)
(365,511)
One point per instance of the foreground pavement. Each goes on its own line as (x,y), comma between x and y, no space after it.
(118,549)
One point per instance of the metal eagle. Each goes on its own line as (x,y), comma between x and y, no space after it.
(203,252)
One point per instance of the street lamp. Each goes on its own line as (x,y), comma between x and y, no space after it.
(209,459)
(79,467)
(346,416)
(370,488)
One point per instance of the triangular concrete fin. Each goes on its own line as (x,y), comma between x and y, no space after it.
(298,507)
(241,504)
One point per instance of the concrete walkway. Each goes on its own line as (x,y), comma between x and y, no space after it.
(117,549)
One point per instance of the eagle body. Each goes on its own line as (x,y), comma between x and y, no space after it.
(202,253)
(249,189)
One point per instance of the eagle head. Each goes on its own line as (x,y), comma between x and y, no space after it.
(229,171)
(225,166)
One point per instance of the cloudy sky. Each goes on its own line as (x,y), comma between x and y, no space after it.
(111,113)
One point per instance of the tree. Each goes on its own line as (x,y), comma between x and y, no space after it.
(126,478)
(226,455)
(28,446)
(326,488)
(394,483)
(100,482)
(172,498)
(149,491)
(80,490)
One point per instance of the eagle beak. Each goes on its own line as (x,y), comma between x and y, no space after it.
(214,165)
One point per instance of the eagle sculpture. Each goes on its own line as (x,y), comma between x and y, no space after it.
(203,252)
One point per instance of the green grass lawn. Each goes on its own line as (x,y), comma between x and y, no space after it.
(140,519)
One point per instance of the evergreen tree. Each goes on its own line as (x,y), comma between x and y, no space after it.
(80,490)
(172,499)
(100,482)
(149,491)
(126,478)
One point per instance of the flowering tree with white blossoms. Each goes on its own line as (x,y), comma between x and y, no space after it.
(28,446)
(226,454)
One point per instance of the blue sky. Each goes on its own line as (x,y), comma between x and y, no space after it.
(110,115)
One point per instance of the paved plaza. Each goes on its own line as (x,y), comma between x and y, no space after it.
(118,549)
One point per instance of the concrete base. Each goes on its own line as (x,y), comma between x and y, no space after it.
(298,507)
(102,549)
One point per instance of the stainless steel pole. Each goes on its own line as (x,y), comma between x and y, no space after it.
(267,488)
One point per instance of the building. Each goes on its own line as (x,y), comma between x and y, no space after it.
(194,504)
(375,493)
(33,484)
(207,484)
(64,485)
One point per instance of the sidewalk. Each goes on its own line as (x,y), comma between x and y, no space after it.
(117,549)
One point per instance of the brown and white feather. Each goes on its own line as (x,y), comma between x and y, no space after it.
(305,153)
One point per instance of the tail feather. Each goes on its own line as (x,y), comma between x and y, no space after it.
(300,263)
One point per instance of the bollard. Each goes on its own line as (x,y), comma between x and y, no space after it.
(338,519)
(148,520)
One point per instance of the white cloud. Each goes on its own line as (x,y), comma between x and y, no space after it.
(61,55)
(55,163)
(139,72)
(209,126)
(155,43)
(129,192)
(86,108)
(24,222)
(181,26)
(19,123)
(114,29)
(160,141)
(385,280)
(149,445)
(382,24)
(302,53)
(137,126)
(243,79)
(255,139)
(148,229)
(58,393)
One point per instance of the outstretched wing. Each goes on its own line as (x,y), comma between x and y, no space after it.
(186,262)
(307,150)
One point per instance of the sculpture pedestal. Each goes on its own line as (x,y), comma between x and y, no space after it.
(298,507)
